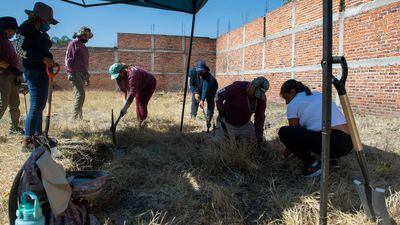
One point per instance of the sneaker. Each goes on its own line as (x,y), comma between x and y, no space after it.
(28,145)
(16,130)
(313,170)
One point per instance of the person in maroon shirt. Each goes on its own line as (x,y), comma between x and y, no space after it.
(134,82)
(236,104)
(77,67)
(10,76)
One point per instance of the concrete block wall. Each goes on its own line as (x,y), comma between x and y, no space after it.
(287,43)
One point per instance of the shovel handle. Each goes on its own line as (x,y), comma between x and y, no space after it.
(51,74)
(340,84)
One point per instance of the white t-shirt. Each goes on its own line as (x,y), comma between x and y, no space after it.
(308,109)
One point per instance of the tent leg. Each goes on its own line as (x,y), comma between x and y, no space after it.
(326,106)
(187,71)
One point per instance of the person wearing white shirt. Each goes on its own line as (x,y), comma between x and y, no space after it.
(303,136)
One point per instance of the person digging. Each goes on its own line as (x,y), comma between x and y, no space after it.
(236,104)
(134,82)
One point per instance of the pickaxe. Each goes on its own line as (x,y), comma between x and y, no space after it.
(51,76)
(113,127)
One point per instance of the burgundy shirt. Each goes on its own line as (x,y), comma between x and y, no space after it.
(8,54)
(239,108)
(135,82)
(77,58)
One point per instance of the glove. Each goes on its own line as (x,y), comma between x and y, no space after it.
(15,71)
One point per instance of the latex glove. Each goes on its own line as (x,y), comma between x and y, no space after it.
(201,104)
(197,97)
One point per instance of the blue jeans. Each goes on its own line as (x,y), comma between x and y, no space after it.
(38,84)
(210,99)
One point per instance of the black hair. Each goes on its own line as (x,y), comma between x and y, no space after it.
(297,86)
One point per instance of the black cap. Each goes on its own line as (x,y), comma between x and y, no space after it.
(8,22)
(201,66)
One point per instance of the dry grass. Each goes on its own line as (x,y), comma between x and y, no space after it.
(159,176)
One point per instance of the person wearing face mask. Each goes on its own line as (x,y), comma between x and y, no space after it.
(10,76)
(77,67)
(134,82)
(236,104)
(303,136)
(33,46)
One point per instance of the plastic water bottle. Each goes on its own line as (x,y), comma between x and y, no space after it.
(29,212)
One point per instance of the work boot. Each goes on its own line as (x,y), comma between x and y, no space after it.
(28,145)
(16,130)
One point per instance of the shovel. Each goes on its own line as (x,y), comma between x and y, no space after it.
(208,121)
(372,199)
(113,127)
(51,76)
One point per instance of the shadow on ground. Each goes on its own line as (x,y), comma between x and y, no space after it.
(189,180)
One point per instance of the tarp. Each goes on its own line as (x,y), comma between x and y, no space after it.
(187,6)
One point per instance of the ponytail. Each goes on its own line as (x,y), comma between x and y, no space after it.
(297,86)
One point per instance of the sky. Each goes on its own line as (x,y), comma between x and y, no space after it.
(107,21)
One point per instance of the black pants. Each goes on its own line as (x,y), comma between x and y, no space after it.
(302,142)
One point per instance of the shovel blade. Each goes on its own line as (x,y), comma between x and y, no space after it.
(373,202)
(365,194)
(379,206)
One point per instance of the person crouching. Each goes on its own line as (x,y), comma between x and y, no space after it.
(236,104)
(303,135)
(134,82)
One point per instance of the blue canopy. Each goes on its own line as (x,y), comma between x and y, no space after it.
(187,6)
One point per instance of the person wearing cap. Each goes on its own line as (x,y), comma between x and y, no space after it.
(303,136)
(33,46)
(10,75)
(204,87)
(77,67)
(236,104)
(134,82)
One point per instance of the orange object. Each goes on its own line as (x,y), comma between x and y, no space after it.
(52,75)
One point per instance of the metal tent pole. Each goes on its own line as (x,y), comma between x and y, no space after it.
(187,71)
(326,106)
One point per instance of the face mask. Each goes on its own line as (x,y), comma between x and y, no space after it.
(44,27)
(84,41)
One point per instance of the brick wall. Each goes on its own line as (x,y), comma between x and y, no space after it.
(163,55)
(287,43)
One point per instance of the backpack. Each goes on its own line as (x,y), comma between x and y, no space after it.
(29,178)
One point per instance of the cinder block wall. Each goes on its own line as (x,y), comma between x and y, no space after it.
(287,43)
(163,55)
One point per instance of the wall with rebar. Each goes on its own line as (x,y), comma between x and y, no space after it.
(287,43)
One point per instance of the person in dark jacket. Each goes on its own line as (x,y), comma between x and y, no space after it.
(134,82)
(10,76)
(236,104)
(77,67)
(33,46)
(204,87)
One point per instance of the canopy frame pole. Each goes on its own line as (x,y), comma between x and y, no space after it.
(187,68)
(326,107)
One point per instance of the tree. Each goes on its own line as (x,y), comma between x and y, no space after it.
(64,40)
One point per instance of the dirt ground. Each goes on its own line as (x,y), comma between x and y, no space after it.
(159,176)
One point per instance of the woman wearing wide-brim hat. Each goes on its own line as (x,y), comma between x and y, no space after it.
(33,46)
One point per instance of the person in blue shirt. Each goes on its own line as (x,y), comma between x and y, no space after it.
(204,87)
